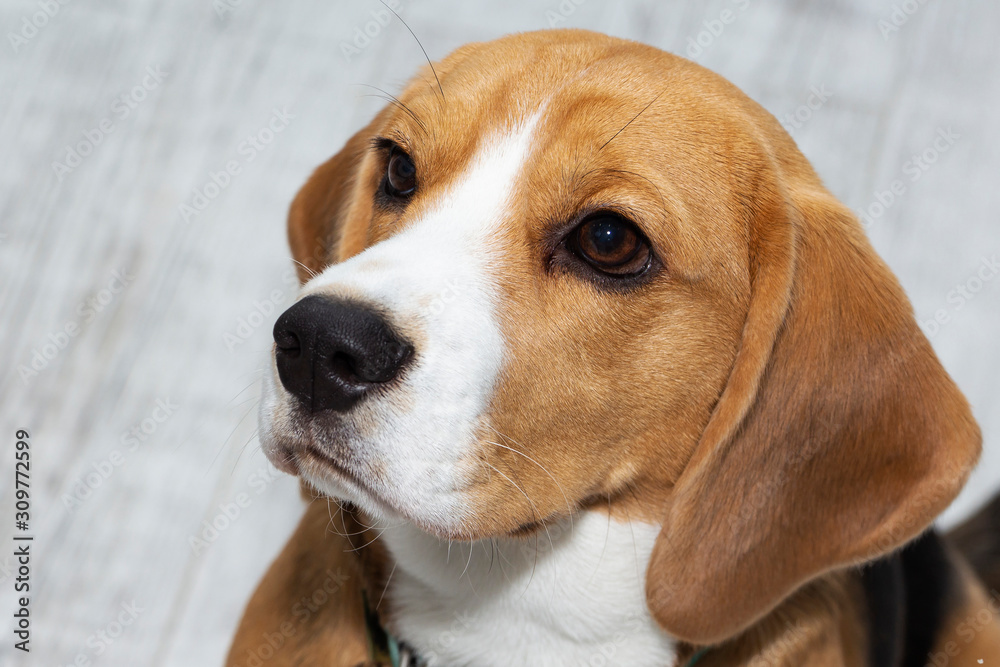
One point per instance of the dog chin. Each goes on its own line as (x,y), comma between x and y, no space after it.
(375,508)
(379,512)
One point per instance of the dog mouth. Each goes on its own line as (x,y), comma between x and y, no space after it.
(328,464)
(320,469)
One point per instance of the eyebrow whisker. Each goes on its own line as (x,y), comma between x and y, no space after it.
(392,99)
(434,71)
(630,122)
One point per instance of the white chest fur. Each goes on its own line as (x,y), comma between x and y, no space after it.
(573,597)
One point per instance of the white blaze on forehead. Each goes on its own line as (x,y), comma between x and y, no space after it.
(452,246)
(436,282)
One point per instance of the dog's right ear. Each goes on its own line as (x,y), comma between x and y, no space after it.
(838,438)
(324,211)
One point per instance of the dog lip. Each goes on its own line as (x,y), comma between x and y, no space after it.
(331,464)
(284,460)
(388,508)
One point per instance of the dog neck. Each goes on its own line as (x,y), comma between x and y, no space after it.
(572,593)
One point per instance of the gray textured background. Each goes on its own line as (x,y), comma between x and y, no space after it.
(163,337)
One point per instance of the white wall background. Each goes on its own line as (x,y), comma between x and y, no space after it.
(229,65)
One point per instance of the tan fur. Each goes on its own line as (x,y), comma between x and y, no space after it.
(307,609)
(817,627)
(971,631)
(767,396)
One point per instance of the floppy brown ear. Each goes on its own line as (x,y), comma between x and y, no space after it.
(326,209)
(839,435)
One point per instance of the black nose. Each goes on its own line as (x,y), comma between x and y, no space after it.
(330,352)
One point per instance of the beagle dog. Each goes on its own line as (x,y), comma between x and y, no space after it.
(589,368)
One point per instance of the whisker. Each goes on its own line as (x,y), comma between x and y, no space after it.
(244,449)
(630,122)
(607,535)
(500,561)
(312,274)
(344,532)
(434,71)
(537,514)
(225,442)
(569,509)
(392,99)
(387,580)
(255,380)
(329,512)
(472,547)
(632,528)
(245,401)
(364,528)
(193,433)
(369,542)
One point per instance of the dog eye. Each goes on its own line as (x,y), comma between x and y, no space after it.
(400,174)
(611,245)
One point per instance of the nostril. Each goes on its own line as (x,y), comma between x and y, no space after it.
(400,353)
(342,365)
(370,367)
(330,353)
(288,343)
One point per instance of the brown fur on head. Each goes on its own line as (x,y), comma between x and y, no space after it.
(763,391)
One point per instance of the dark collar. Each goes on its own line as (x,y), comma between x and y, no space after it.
(383,648)
(908,594)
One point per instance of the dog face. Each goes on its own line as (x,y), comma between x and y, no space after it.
(571,308)
(583,272)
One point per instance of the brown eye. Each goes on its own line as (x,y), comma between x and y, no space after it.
(611,245)
(400,174)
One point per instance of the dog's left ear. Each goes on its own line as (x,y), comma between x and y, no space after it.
(328,207)
(838,437)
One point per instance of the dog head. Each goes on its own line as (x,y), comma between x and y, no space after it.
(581,271)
